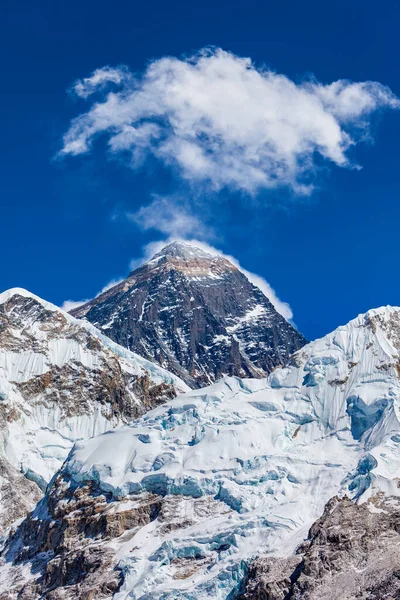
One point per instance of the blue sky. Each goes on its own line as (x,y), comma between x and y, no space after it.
(71,224)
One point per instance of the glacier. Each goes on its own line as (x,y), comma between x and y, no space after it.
(244,467)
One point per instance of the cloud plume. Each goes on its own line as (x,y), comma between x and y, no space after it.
(172,217)
(69,305)
(219,120)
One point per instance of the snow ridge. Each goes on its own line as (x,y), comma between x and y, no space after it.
(184,250)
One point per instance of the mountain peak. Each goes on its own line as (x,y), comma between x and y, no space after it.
(196,314)
(7,294)
(183,250)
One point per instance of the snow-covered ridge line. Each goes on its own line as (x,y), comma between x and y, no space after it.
(360,320)
(184,250)
(116,348)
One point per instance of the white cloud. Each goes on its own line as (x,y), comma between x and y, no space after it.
(149,251)
(171,217)
(99,79)
(222,121)
(68,305)
(109,285)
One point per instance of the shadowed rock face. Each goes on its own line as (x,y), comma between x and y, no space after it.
(17,494)
(352,552)
(66,543)
(67,547)
(196,315)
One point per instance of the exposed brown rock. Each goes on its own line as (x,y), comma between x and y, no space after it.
(16,492)
(66,549)
(352,552)
(65,542)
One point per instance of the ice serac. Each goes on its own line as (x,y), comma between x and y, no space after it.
(61,380)
(180,503)
(196,315)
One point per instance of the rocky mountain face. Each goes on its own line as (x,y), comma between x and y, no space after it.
(196,315)
(213,494)
(352,552)
(61,380)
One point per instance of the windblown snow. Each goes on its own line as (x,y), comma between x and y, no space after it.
(247,465)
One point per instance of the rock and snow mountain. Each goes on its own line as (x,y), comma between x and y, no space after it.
(352,551)
(196,315)
(180,503)
(61,380)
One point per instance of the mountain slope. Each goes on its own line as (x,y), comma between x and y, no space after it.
(61,380)
(179,503)
(351,552)
(196,315)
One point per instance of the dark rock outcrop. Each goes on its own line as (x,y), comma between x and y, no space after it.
(352,552)
(196,315)
(67,548)
(17,494)
(65,542)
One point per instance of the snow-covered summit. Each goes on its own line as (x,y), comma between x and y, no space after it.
(184,250)
(236,469)
(7,294)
